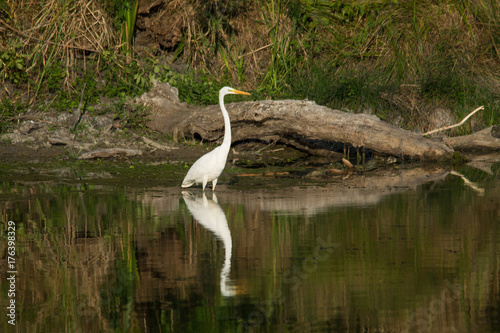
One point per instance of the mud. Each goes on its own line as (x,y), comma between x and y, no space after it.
(36,141)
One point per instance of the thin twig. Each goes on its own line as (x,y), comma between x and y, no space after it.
(79,108)
(259,49)
(456,125)
(347,163)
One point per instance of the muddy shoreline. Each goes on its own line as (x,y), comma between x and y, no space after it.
(49,141)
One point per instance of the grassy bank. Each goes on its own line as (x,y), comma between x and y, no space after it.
(399,60)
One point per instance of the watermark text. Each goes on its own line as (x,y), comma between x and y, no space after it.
(11,272)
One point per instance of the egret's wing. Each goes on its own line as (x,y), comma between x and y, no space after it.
(205,165)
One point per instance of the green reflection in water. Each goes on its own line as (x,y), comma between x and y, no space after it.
(94,257)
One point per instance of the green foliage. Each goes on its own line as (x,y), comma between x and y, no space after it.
(355,88)
(283,44)
(55,76)
(343,54)
(132,116)
(369,48)
(198,91)
(8,110)
(3,7)
(13,64)
(128,12)
(124,14)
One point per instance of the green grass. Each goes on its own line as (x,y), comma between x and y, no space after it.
(352,54)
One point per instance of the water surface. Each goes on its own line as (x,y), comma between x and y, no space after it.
(413,250)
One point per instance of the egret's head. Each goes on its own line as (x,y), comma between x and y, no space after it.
(229,90)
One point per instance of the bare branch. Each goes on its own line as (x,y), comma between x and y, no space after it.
(456,125)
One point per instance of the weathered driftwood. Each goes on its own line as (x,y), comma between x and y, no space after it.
(297,123)
(486,139)
(110,153)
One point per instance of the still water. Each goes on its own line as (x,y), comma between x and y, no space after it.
(414,250)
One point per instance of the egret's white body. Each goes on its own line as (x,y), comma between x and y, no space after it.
(209,167)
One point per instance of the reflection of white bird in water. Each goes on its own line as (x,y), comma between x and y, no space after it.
(210,215)
(209,167)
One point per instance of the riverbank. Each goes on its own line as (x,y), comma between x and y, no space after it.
(417,67)
(48,138)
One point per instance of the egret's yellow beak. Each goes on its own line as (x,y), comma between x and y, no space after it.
(239,92)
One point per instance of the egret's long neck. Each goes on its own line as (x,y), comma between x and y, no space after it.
(227,123)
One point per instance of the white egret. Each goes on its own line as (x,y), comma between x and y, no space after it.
(209,167)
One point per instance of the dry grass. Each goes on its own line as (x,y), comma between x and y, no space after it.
(240,47)
(59,31)
(265,42)
(449,50)
(74,25)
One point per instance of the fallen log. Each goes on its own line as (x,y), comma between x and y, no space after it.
(486,139)
(296,123)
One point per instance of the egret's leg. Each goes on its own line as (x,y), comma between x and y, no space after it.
(214,182)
